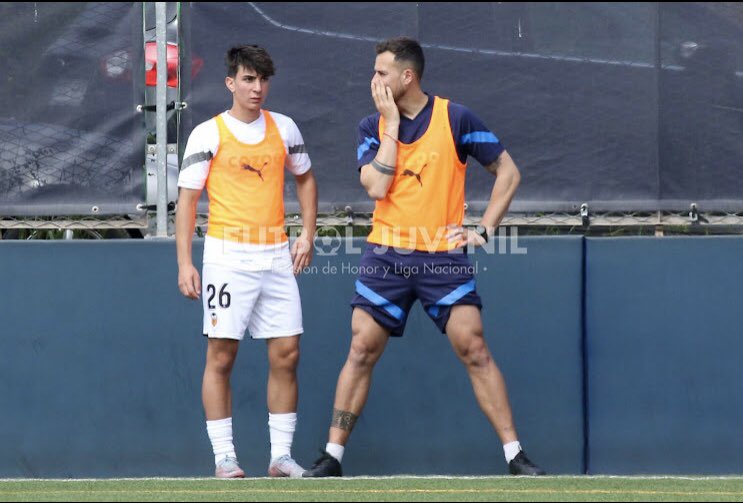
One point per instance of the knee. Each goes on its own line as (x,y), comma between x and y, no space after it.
(221,362)
(474,352)
(362,354)
(286,360)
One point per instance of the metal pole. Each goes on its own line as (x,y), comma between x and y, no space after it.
(162,120)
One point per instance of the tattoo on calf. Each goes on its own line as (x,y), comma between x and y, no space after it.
(343,420)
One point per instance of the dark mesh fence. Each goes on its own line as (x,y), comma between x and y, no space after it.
(629,107)
(70,139)
(700,137)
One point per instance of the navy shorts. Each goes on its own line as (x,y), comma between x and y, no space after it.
(389,283)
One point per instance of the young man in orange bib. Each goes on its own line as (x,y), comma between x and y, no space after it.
(412,158)
(249,271)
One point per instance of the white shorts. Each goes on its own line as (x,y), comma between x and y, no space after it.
(264,302)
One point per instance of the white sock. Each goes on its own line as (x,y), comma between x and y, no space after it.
(511,449)
(220,433)
(335,450)
(281,429)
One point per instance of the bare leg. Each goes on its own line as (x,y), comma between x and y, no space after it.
(367,345)
(283,359)
(464,330)
(215,388)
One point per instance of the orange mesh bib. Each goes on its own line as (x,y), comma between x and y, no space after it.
(246,187)
(427,193)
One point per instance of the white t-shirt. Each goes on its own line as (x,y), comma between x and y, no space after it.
(202,147)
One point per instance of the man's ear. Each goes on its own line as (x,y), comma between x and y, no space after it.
(230,83)
(408,76)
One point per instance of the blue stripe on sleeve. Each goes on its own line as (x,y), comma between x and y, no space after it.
(368,142)
(479,137)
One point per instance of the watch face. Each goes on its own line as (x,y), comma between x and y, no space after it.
(483,232)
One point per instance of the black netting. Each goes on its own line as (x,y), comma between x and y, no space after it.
(70,138)
(628,107)
(587,97)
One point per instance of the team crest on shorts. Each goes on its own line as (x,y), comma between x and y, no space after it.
(214,319)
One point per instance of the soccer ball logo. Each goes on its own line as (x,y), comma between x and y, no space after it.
(329,242)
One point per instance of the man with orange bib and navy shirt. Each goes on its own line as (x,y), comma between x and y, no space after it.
(249,270)
(412,159)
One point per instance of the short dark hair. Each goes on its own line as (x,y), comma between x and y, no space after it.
(250,57)
(405,49)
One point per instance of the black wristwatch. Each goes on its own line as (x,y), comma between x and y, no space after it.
(482,232)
